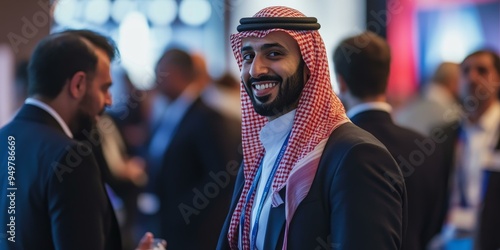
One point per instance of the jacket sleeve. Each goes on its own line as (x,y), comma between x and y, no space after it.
(489,221)
(368,200)
(223,243)
(77,202)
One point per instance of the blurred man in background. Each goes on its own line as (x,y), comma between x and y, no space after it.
(192,156)
(472,148)
(437,105)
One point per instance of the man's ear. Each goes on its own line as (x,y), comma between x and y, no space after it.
(342,85)
(307,73)
(78,85)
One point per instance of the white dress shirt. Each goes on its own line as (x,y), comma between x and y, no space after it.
(272,136)
(476,151)
(382,106)
(52,112)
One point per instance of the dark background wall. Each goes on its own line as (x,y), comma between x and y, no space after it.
(22,24)
(376,16)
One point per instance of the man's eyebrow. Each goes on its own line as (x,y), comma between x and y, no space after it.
(246,48)
(271,45)
(107,85)
(263,47)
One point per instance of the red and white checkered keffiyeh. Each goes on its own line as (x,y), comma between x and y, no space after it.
(318,113)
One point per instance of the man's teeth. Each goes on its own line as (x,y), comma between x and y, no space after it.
(264,86)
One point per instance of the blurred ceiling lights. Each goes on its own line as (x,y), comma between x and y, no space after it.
(121,8)
(161,12)
(97,11)
(134,45)
(158,12)
(195,12)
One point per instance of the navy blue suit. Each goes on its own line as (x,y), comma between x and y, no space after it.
(424,168)
(357,200)
(60,201)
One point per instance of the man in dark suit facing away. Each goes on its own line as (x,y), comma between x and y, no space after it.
(53,196)
(362,68)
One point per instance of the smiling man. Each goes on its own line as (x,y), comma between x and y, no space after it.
(310,178)
(270,95)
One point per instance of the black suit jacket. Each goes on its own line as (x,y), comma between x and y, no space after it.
(357,200)
(489,218)
(60,201)
(424,168)
(197,178)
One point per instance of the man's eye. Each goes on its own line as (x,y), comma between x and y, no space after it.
(482,70)
(274,53)
(247,57)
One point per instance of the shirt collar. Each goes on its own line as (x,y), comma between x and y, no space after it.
(188,95)
(52,112)
(276,130)
(381,106)
(489,121)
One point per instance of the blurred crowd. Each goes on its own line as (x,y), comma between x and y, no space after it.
(176,149)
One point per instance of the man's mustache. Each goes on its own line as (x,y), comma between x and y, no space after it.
(275,78)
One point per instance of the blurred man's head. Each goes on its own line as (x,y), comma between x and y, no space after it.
(73,67)
(362,65)
(174,72)
(21,82)
(480,81)
(202,77)
(447,75)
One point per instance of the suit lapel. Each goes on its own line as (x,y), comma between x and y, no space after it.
(372,117)
(275,225)
(38,115)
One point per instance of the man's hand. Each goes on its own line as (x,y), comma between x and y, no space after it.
(147,243)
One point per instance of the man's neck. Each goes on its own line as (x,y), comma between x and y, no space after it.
(58,106)
(475,115)
(351,101)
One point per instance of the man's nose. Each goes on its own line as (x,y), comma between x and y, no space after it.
(258,67)
(109,100)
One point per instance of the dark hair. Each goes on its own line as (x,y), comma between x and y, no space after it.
(60,55)
(21,80)
(21,75)
(364,62)
(181,59)
(493,54)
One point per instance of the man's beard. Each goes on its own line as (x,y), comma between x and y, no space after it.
(83,123)
(287,97)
